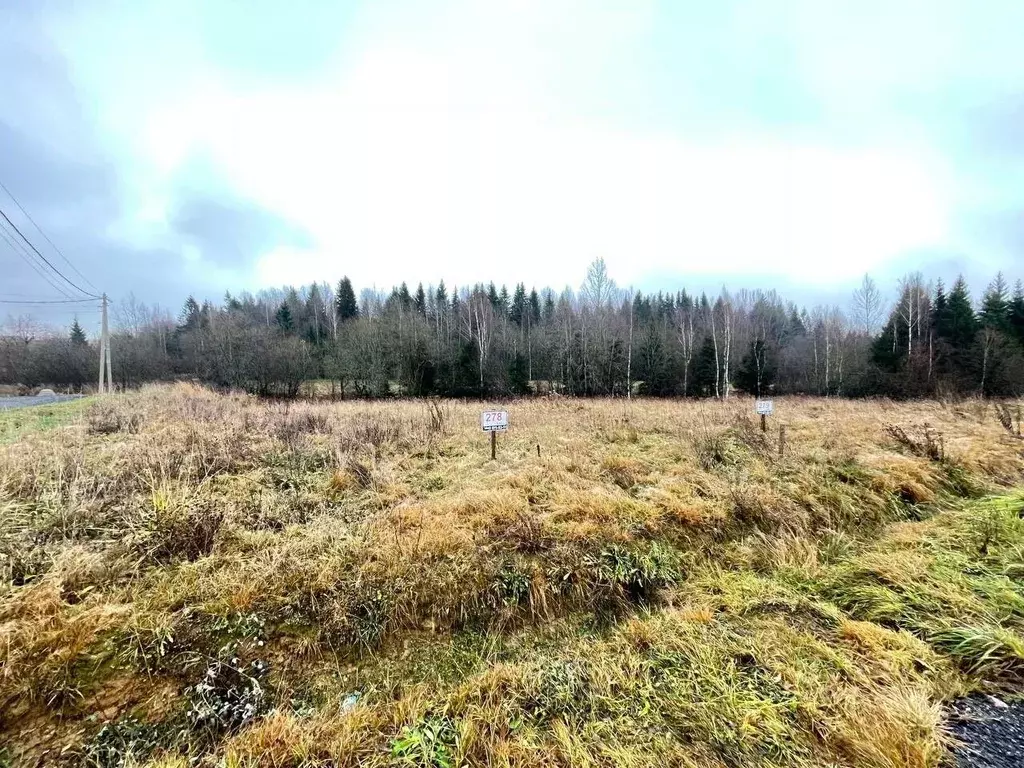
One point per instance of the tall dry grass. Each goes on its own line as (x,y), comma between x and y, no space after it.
(154,551)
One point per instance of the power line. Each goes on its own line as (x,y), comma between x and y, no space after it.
(20,250)
(48,301)
(46,237)
(45,260)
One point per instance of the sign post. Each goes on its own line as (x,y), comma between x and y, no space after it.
(494,422)
(765,408)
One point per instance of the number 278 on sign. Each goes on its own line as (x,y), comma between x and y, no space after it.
(494,421)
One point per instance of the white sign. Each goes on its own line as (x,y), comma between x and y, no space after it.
(764,407)
(494,421)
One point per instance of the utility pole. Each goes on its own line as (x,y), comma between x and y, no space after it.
(105,351)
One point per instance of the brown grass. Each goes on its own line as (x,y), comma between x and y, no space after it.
(173,526)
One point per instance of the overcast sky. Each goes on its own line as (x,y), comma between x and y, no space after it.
(187,147)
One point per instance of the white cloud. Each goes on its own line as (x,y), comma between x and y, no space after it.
(408,189)
(439,145)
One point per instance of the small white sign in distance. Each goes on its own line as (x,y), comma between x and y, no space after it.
(494,421)
(764,407)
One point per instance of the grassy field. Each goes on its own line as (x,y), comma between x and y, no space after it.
(19,421)
(188,577)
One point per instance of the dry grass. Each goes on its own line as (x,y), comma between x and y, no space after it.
(184,573)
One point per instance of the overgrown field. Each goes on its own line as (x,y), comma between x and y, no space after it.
(193,578)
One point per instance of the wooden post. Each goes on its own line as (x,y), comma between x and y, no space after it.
(782,441)
(538,450)
(764,423)
(1018,421)
(494,444)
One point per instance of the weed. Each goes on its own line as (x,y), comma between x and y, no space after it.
(230,694)
(930,445)
(110,416)
(512,586)
(124,742)
(430,743)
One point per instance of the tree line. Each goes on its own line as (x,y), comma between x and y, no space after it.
(486,340)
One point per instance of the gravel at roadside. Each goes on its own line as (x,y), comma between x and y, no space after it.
(990,732)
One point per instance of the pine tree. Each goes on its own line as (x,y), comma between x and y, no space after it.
(995,305)
(284,318)
(959,326)
(534,307)
(345,303)
(420,301)
(1017,312)
(549,306)
(78,335)
(518,376)
(190,314)
(517,312)
(940,308)
(705,368)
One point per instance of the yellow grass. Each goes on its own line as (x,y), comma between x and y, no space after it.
(655,585)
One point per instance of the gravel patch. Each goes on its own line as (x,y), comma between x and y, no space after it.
(990,732)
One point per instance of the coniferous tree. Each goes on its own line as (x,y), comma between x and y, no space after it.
(534,307)
(503,300)
(959,324)
(995,305)
(1017,312)
(190,314)
(420,300)
(705,369)
(78,335)
(517,312)
(345,301)
(284,319)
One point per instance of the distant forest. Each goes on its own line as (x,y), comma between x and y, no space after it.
(487,340)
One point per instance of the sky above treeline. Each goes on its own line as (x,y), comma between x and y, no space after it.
(198,146)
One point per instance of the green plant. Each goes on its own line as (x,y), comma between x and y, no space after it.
(123,742)
(230,694)
(430,743)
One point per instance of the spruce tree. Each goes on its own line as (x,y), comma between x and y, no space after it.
(1017,312)
(549,306)
(960,325)
(78,335)
(441,297)
(345,302)
(420,301)
(534,307)
(404,296)
(190,314)
(283,316)
(995,305)
(704,368)
(517,312)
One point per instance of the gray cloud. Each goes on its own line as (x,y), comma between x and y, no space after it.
(53,160)
(231,233)
(949,83)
